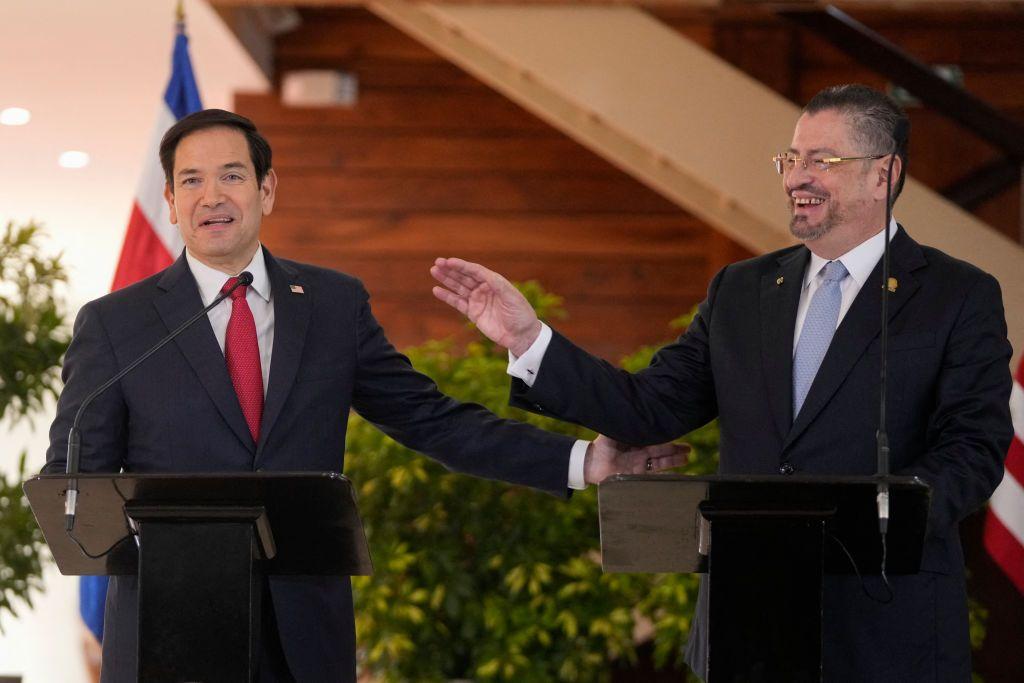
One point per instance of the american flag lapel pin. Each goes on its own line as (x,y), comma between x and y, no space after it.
(296,289)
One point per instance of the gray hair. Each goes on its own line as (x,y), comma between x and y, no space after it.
(873,117)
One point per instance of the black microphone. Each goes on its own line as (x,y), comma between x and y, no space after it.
(899,135)
(74,435)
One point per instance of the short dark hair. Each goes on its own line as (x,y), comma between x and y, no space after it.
(873,117)
(259,148)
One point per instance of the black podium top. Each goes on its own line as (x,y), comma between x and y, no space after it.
(312,517)
(657,523)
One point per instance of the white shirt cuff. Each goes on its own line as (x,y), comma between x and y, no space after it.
(526,366)
(577,456)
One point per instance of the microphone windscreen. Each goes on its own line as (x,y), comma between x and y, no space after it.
(245,279)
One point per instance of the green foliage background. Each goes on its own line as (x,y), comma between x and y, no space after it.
(483,580)
(33,340)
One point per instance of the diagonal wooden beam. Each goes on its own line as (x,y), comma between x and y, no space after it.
(567,65)
(884,57)
(984,183)
(672,115)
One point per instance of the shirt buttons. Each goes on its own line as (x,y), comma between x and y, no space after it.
(786,468)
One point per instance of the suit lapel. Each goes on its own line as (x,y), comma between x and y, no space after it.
(292,311)
(860,326)
(199,346)
(780,297)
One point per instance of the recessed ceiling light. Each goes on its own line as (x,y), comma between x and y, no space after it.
(15,116)
(73,159)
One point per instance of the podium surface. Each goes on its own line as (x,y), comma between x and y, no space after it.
(765,544)
(201,546)
(312,517)
(651,523)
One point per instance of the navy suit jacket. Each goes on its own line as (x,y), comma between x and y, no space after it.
(948,423)
(178,413)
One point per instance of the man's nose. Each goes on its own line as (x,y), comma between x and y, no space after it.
(212,195)
(797,177)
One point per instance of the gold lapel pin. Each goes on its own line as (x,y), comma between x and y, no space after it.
(893,284)
(779,281)
(296,289)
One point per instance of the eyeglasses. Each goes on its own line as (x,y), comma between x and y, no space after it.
(785,162)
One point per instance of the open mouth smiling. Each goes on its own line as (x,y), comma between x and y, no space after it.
(214,221)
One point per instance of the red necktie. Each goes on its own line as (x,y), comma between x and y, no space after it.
(242,353)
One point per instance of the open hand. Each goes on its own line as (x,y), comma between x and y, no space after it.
(606,457)
(490,301)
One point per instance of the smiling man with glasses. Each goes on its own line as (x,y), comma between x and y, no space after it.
(785,353)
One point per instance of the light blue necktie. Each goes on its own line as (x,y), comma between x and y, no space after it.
(816,334)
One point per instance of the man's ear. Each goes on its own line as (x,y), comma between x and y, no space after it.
(883,170)
(169,196)
(268,190)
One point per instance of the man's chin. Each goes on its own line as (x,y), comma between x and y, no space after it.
(804,231)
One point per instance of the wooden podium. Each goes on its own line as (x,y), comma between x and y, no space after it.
(200,545)
(765,544)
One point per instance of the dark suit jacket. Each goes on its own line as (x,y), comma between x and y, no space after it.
(948,422)
(178,413)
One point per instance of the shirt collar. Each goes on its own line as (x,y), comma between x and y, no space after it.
(859,261)
(210,280)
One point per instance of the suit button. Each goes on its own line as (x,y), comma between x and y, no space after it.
(786,468)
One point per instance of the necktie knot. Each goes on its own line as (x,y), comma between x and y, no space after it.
(835,271)
(237,293)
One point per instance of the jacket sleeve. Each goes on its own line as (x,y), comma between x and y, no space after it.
(669,398)
(88,363)
(969,430)
(464,437)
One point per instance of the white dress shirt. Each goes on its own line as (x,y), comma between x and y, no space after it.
(859,262)
(257,295)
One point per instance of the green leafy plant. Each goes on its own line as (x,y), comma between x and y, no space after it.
(33,339)
(21,544)
(490,582)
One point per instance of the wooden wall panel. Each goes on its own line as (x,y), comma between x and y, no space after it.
(430,162)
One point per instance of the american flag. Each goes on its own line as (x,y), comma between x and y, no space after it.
(1004,525)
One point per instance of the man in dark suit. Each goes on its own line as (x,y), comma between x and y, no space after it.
(266,383)
(785,352)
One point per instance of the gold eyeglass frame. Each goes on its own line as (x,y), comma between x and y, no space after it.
(826,162)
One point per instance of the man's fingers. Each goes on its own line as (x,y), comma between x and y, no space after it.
(453,300)
(468,273)
(453,281)
(667,462)
(664,449)
(657,464)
